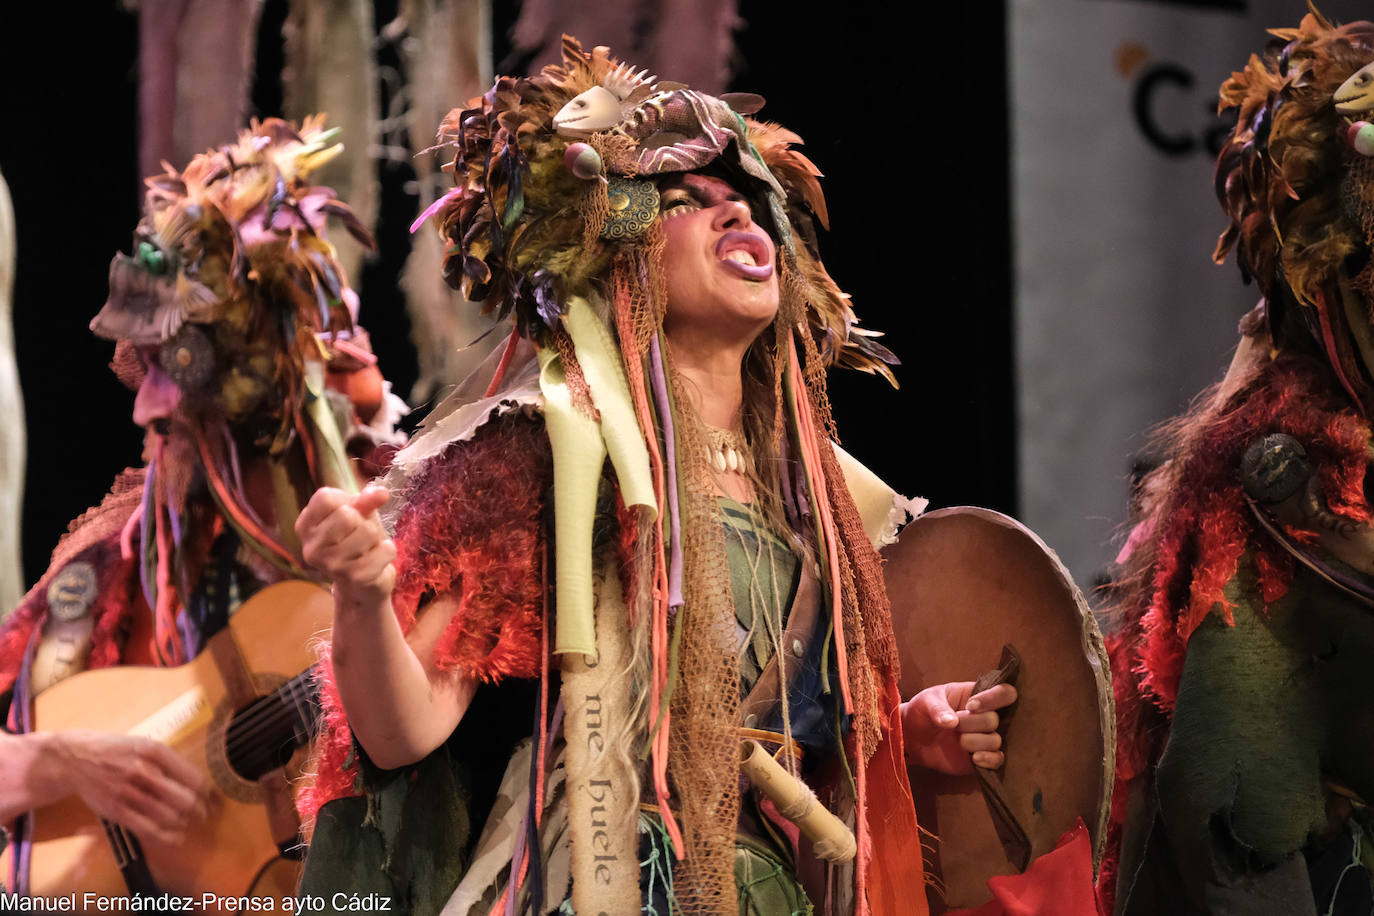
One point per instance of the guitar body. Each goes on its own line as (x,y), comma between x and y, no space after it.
(231,853)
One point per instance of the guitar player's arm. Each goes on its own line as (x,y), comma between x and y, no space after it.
(399,708)
(136,782)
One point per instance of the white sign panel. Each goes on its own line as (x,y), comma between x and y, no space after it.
(1121,317)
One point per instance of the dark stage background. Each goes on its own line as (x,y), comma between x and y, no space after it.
(909,126)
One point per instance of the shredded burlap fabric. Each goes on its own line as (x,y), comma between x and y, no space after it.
(703,756)
(97,523)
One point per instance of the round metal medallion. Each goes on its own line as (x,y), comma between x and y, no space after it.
(72,591)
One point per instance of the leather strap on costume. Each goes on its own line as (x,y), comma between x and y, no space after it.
(1347,584)
(1014,838)
(801,619)
(1282,488)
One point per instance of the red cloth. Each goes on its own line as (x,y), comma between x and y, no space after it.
(1059,883)
(896,880)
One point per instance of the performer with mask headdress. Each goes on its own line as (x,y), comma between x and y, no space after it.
(237,329)
(641,656)
(1245,635)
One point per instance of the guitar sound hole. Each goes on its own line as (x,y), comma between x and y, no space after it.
(263,735)
(259,739)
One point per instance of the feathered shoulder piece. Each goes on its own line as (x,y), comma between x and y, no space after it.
(554,175)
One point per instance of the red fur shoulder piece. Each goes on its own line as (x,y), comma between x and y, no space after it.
(1199,525)
(473,523)
(1192,530)
(472,527)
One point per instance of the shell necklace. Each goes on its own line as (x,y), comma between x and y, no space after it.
(727,452)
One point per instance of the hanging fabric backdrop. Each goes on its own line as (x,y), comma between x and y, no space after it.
(1120,314)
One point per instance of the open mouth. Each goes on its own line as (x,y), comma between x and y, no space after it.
(746,255)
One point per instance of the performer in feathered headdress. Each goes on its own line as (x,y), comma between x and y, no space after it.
(1245,749)
(255,386)
(641,656)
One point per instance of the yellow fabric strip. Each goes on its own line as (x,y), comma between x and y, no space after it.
(881,508)
(580,446)
(599,357)
(578,452)
(334,467)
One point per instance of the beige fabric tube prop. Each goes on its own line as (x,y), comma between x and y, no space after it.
(833,841)
(603,802)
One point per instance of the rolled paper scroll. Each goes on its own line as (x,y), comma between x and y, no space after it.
(831,838)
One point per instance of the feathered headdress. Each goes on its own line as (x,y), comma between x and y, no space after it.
(550,183)
(231,277)
(1298,186)
(233,297)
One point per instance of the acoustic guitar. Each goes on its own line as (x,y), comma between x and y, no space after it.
(240,711)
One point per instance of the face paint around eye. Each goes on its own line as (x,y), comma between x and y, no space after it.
(719,265)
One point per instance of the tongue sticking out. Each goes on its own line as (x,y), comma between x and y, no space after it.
(747,269)
(745,254)
(157,397)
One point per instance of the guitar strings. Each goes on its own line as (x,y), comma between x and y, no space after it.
(267,715)
(122,843)
(274,706)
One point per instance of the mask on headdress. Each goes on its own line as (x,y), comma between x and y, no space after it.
(555,174)
(231,279)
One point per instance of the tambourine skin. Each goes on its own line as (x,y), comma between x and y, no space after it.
(963,583)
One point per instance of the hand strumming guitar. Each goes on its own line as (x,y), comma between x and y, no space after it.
(138,783)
